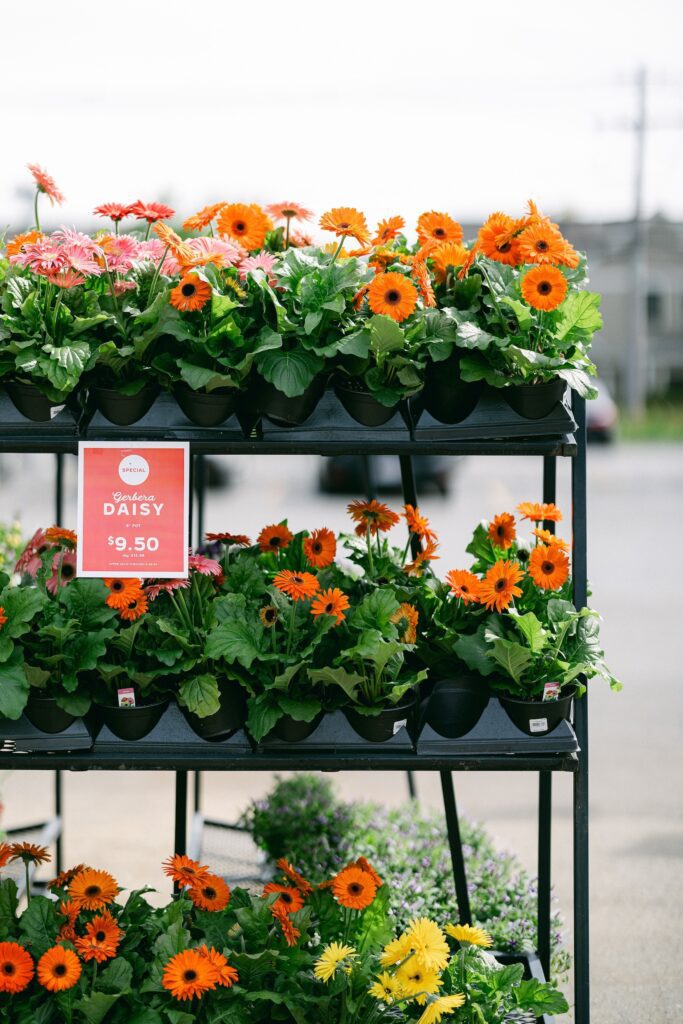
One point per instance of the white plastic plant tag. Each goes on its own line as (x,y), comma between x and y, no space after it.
(399,725)
(126,697)
(551,691)
(55,411)
(538,724)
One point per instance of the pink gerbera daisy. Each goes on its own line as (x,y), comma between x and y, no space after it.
(265,261)
(121,287)
(43,257)
(151,249)
(61,577)
(120,252)
(115,211)
(45,183)
(29,559)
(300,240)
(67,279)
(165,587)
(150,212)
(205,566)
(289,211)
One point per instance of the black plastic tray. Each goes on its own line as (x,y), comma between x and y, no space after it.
(21,737)
(493,418)
(171,732)
(494,733)
(330,424)
(336,735)
(62,426)
(164,421)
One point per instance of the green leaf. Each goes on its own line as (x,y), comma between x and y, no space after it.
(579,381)
(540,998)
(470,335)
(117,977)
(580,311)
(290,372)
(532,631)
(236,641)
(95,1007)
(76,704)
(20,604)
(14,688)
(8,907)
(147,1015)
(521,311)
(303,710)
(347,681)
(385,334)
(356,344)
(39,925)
(263,715)
(475,652)
(200,695)
(221,305)
(511,656)
(199,378)
(311,320)
(375,610)
(180,1017)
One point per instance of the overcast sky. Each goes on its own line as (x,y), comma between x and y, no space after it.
(393,107)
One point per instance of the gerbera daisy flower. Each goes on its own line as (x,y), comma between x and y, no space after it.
(190,294)
(438,227)
(269,615)
(236,539)
(544,287)
(3,617)
(69,909)
(263,261)
(184,870)
(447,256)
(200,220)
(392,294)
(468,933)
(439,1007)
(428,944)
(16,967)
(297,585)
(101,939)
(227,975)
(331,959)
(58,969)
(30,853)
(274,538)
(417,566)
(289,932)
(67,279)
(388,230)
(46,183)
(345,222)
(289,211)
(546,537)
(43,257)
(330,602)
(499,586)
(203,565)
(121,591)
(354,888)
(546,512)
(320,548)
(417,523)
(150,212)
(299,239)
(386,988)
(365,865)
(424,282)
(212,893)
(189,974)
(120,252)
(417,982)
(199,252)
(92,889)
(464,584)
(541,243)
(165,587)
(114,211)
(59,535)
(502,531)
(409,614)
(396,951)
(289,897)
(248,224)
(136,607)
(548,566)
(293,875)
(16,245)
(496,239)
(371,515)
(5,854)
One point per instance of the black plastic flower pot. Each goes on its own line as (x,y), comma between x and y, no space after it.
(289,730)
(230,717)
(381,727)
(46,714)
(30,401)
(538,717)
(205,408)
(445,396)
(534,401)
(456,705)
(289,412)
(133,723)
(124,409)
(362,405)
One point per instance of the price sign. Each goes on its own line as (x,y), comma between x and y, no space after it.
(133,505)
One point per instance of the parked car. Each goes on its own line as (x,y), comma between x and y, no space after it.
(370,474)
(601,415)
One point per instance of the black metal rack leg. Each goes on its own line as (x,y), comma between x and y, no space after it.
(410,498)
(59,508)
(455,844)
(180,836)
(581,851)
(200,495)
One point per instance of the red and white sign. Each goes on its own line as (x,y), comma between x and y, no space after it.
(133,507)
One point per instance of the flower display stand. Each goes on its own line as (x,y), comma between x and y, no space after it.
(494,744)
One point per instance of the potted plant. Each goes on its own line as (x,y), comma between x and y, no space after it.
(20,607)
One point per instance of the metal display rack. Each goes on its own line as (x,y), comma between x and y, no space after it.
(494,745)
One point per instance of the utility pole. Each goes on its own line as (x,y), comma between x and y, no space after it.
(637,362)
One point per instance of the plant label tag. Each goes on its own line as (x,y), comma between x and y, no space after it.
(551,691)
(55,411)
(538,724)
(399,725)
(126,697)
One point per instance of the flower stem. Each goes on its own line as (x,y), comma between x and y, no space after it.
(339,249)
(28,883)
(290,631)
(94,977)
(368,537)
(152,287)
(35,209)
(287,233)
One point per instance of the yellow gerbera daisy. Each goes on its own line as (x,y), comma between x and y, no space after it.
(387,988)
(428,943)
(468,933)
(437,1008)
(332,957)
(417,982)
(397,950)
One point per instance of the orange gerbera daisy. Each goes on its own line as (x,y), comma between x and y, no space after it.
(320,548)
(290,933)
(189,974)
(541,243)
(293,875)
(371,515)
(136,607)
(101,939)
(502,530)
(428,554)
(212,893)
(365,865)
(424,282)
(289,211)
(548,566)
(202,219)
(392,294)
(58,534)
(16,967)
(180,249)
(227,975)
(93,890)
(438,227)
(184,870)
(190,294)
(59,969)
(330,602)
(451,254)
(409,614)
(354,888)
(5,854)
(499,586)
(239,539)
(15,246)
(69,909)
(290,899)
(539,513)
(345,222)
(388,229)
(417,523)
(297,585)
(30,853)
(3,617)
(274,538)
(464,584)
(121,591)
(247,224)
(47,184)
(546,537)
(496,239)
(544,287)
